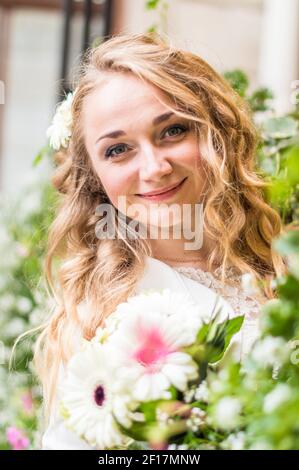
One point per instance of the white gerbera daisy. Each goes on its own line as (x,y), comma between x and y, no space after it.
(89,402)
(165,302)
(148,343)
(59,132)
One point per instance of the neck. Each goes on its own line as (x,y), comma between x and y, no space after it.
(174,252)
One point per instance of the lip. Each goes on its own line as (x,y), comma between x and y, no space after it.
(163,193)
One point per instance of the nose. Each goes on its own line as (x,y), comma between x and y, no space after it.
(154,164)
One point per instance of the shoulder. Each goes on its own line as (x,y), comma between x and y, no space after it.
(159,275)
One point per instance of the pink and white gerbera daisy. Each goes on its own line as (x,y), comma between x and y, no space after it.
(148,344)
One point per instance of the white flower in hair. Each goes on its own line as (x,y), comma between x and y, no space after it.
(60,131)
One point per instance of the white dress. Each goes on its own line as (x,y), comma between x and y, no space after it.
(202,287)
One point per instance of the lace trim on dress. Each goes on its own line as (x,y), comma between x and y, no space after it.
(235,295)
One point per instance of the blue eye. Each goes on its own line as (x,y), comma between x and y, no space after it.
(109,154)
(177,126)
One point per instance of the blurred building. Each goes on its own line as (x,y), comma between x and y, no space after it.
(32,65)
(258,36)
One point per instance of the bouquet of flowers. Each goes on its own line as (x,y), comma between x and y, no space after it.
(140,382)
(255,405)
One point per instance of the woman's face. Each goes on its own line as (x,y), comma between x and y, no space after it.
(137,145)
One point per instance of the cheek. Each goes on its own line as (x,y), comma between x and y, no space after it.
(189,155)
(194,160)
(116,182)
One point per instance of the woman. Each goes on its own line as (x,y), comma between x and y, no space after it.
(147,117)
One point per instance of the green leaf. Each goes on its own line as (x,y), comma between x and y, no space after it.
(152,29)
(149,410)
(138,431)
(233,327)
(212,341)
(152,4)
(37,159)
(259,98)
(238,81)
(288,244)
(228,329)
(202,333)
(41,154)
(292,164)
(280,127)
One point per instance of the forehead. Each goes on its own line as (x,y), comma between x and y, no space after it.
(123,96)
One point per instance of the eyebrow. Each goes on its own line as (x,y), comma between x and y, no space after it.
(157,120)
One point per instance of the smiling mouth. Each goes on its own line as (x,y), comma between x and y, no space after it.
(163,192)
(166,194)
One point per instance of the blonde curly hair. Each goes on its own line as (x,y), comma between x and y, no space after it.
(235,213)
